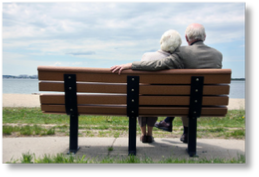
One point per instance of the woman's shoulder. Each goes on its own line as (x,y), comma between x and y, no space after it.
(163,52)
(154,55)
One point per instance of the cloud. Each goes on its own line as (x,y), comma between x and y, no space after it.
(110,32)
(57,64)
(82,53)
(111,21)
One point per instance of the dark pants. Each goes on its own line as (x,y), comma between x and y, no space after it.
(169,119)
(184,120)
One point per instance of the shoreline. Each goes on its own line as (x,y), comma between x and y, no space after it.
(32,100)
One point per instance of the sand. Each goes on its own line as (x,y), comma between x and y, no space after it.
(20,100)
(27,100)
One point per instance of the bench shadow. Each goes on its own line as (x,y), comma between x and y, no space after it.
(207,150)
(160,149)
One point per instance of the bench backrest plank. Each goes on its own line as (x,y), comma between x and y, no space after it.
(143,89)
(177,76)
(169,99)
(143,100)
(143,111)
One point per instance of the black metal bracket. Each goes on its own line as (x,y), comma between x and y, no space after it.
(71,109)
(194,112)
(132,110)
(196,96)
(132,96)
(70,94)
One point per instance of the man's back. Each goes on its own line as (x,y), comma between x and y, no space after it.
(199,55)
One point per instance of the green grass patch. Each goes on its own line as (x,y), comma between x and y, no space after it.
(61,158)
(230,126)
(237,134)
(110,149)
(7,130)
(27,130)
(234,118)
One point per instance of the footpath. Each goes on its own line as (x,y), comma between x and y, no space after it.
(13,148)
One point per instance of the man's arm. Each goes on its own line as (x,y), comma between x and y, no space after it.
(119,68)
(171,62)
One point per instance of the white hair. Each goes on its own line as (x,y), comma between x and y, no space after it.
(170,41)
(194,33)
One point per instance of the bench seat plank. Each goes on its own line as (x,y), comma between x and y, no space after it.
(143,111)
(143,89)
(143,100)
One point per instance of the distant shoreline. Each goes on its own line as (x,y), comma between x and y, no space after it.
(36,77)
(30,77)
(238,79)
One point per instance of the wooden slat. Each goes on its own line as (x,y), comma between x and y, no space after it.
(152,78)
(181,100)
(143,100)
(182,89)
(143,111)
(129,71)
(144,89)
(173,76)
(85,87)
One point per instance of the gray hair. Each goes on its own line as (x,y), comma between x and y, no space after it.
(195,32)
(170,41)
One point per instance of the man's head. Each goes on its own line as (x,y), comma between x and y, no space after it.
(195,32)
(170,41)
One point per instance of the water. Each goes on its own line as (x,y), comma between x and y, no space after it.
(237,89)
(21,86)
(29,86)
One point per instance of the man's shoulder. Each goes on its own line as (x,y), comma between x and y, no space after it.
(185,48)
(197,47)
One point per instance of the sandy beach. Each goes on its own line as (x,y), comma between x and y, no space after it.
(30,100)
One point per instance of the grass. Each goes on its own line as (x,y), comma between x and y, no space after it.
(27,130)
(110,149)
(31,121)
(61,158)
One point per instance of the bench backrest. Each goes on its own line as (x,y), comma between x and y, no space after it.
(161,93)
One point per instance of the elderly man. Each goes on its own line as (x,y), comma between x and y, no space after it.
(195,55)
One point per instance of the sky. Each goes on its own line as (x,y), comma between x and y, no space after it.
(101,35)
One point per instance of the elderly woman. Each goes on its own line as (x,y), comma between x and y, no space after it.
(169,42)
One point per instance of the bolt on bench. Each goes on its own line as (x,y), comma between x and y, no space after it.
(97,91)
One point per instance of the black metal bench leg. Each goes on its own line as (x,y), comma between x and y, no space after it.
(71,109)
(73,137)
(132,135)
(192,136)
(194,112)
(132,110)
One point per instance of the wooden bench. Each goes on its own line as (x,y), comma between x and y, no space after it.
(94,91)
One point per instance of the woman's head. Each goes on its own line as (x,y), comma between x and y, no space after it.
(170,41)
